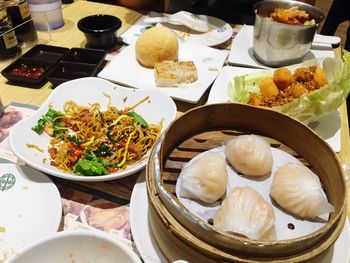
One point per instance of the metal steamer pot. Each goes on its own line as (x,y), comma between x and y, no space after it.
(276,44)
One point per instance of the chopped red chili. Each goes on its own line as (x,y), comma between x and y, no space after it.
(27,71)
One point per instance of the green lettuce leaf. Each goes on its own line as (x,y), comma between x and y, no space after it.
(90,168)
(240,89)
(309,107)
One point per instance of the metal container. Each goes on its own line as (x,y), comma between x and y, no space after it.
(276,44)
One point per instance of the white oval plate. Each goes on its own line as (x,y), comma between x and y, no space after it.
(77,246)
(208,62)
(31,208)
(84,91)
(219,31)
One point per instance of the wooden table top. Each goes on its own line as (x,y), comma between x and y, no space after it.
(67,36)
(70,36)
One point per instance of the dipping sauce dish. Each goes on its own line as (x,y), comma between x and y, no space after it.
(33,67)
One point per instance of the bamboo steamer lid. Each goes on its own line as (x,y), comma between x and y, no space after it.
(206,127)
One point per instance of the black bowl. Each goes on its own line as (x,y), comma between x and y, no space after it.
(100,30)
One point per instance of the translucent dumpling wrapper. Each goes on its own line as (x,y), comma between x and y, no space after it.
(245,211)
(250,155)
(203,179)
(308,107)
(298,190)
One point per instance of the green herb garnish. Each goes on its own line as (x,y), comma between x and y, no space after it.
(75,139)
(51,116)
(102,151)
(138,118)
(109,136)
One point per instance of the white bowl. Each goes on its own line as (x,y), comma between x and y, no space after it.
(77,246)
(85,91)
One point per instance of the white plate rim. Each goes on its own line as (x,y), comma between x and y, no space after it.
(142,237)
(214,20)
(84,233)
(42,110)
(56,203)
(215,94)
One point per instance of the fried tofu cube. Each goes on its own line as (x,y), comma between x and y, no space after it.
(254,99)
(282,77)
(297,89)
(268,88)
(320,78)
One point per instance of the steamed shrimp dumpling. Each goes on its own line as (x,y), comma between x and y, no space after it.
(205,179)
(298,190)
(250,155)
(246,212)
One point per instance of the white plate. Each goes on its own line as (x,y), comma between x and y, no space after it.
(328,126)
(219,32)
(31,208)
(241,52)
(140,226)
(126,70)
(150,252)
(84,91)
(77,246)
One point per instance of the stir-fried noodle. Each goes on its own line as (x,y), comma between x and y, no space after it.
(89,141)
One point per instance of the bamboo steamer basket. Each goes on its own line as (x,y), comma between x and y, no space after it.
(181,234)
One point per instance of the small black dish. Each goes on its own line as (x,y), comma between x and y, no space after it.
(100,30)
(27,70)
(38,57)
(66,71)
(46,53)
(85,55)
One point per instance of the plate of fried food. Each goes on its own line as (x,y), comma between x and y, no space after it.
(90,129)
(159,61)
(310,92)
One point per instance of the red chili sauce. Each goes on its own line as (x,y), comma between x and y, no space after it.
(27,71)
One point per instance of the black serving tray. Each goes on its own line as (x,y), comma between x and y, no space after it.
(42,56)
(60,64)
(77,63)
